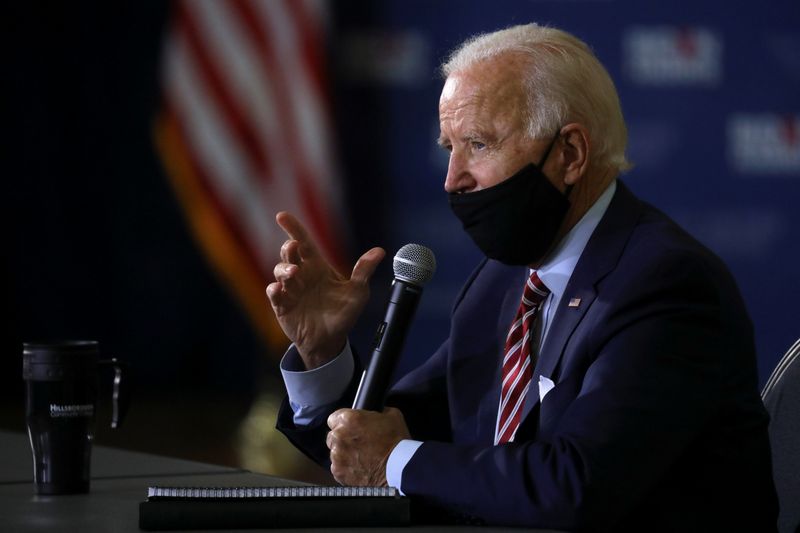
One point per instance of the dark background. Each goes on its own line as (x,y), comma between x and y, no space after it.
(96,246)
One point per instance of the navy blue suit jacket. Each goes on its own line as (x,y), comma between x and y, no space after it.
(654,424)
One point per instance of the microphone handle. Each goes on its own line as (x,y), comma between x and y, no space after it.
(388,345)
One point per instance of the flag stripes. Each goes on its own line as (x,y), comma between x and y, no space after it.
(245,132)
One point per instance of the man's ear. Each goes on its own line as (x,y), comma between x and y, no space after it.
(574,154)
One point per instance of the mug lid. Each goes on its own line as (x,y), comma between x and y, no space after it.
(74,351)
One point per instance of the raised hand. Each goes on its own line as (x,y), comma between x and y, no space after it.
(316,306)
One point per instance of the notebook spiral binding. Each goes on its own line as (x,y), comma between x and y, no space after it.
(224,493)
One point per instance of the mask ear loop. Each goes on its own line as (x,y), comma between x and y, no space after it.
(549,148)
(547,154)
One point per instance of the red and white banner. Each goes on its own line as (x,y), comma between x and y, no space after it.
(245,131)
(764,144)
(672,56)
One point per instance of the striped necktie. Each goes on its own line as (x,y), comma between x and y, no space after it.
(517,363)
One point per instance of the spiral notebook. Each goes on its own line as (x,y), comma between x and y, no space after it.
(172,508)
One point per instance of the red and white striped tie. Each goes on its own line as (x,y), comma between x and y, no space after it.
(517,363)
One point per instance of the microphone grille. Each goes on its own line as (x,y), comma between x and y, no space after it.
(414,263)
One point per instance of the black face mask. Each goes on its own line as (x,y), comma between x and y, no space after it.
(515,221)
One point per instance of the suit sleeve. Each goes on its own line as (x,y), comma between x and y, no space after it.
(311,439)
(654,370)
(421,396)
(423,402)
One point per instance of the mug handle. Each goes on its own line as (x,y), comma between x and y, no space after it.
(120,392)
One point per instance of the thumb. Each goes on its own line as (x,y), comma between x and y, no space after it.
(366,265)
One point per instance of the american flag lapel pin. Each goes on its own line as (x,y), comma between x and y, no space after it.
(574,302)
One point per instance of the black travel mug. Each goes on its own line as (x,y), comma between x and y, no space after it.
(61,382)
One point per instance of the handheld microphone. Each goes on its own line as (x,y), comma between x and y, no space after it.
(413,265)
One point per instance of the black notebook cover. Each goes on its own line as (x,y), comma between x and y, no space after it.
(172,508)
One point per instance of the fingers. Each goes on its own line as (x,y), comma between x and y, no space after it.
(340,473)
(338,442)
(290,252)
(279,299)
(359,447)
(339,435)
(273,292)
(366,265)
(286,291)
(291,226)
(284,272)
(338,417)
(395,414)
(338,458)
(301,246)
(286,287)
(297,232)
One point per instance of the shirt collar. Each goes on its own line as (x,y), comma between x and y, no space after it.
(556,271)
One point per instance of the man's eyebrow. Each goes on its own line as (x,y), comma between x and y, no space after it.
(443,140)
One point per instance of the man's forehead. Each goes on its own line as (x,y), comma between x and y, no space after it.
(487,88)
(494,78)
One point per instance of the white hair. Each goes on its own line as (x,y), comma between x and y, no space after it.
(564,82)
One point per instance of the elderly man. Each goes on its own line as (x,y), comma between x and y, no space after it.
(599,371)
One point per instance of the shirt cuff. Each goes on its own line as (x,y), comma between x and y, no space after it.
(312,391)
(398,460)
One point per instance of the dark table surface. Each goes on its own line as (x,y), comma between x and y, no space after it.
(16,462)
(119,483)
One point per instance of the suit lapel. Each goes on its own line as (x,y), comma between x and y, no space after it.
(565,321)
(600,256)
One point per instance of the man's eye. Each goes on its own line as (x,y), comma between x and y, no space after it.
(478,145)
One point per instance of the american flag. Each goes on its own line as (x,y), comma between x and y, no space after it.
(245,132)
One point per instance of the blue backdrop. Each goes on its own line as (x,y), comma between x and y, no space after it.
(711,95)
(96,245)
